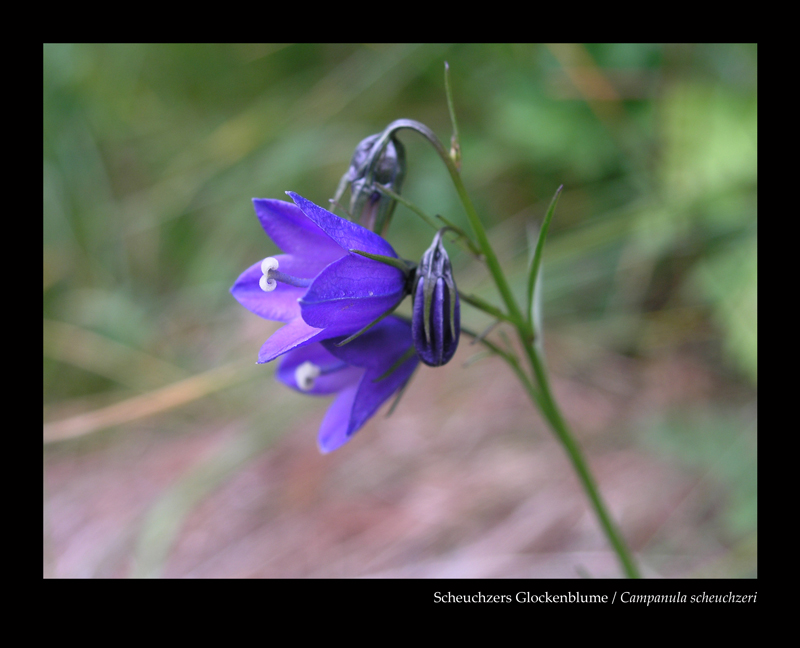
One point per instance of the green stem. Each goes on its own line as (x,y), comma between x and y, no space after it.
(543,397)
(461,236)
(486,307)
(559,426)
(544,400)
(407,203)
(488,253)
(474,220)
(512,362)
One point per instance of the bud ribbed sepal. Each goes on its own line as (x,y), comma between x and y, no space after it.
(436,322)
(369,168)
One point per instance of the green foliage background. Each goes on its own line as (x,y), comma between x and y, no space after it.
(152,153)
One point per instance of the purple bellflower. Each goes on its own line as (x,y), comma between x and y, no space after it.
(364,373)
(319,287)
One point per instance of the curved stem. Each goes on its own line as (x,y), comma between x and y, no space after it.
(512,361)
(486,307)
(461,237)
(474,220)
(488,253)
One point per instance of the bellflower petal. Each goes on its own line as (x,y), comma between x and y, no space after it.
(378,348)
(310,250)
(319,288)
(293,232)
(365,373)
(353,291)
(374,391)
(333,431)
(350,236)
(286,338)
(333,376)
(378,351)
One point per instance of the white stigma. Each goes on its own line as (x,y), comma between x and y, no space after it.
(267,284)
(305,375)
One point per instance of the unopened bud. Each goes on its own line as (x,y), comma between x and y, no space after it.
(436,323)
(368,169)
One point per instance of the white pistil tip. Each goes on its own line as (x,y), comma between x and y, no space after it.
(305,375)
(267,284)
(270,263)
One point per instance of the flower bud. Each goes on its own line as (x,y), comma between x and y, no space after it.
(436,322)
(367,169)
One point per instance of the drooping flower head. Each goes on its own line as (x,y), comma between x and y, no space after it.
(365,373)
(370,167)
(320,287)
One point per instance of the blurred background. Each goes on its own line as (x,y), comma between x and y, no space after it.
(168,452)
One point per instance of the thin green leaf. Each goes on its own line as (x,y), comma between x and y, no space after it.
(536,261)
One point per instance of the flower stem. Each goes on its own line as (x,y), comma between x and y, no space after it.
(461,236)
(489,255)
(486,307)
(542,397)
(558,424)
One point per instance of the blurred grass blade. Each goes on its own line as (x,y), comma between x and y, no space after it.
(536,314)
(154,402)
(536,260)
(165,519)
(105,357)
